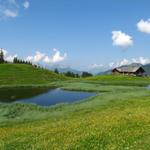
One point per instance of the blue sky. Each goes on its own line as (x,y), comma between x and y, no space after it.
(76,33)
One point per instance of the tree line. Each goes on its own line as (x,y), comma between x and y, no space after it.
(20,61)
(74,75)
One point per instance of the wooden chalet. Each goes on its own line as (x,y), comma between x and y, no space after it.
(129,70)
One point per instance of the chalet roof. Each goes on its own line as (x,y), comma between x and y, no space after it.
(129,68)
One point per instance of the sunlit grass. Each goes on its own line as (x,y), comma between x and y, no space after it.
(119,126)
(26,75)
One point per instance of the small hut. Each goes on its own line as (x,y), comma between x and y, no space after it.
(129,70)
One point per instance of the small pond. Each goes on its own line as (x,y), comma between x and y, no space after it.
(41,96)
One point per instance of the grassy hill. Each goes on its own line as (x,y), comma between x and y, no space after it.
(20,74)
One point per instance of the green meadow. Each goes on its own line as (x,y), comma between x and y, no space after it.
(26,75)
(117,118)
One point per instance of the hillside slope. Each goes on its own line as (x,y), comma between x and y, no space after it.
(14,74)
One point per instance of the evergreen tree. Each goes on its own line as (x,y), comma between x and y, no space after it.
(77,75)
(20,61)
(86,74)
(56,71)
(15,60)
(71,74)
(2,56)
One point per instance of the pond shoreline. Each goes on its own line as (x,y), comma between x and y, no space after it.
(43,96)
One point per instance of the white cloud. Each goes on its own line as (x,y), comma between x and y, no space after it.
(47,59)
(29,58)
(11,8)
(141,60)
(41,57)
(36,58)
(144,26)
(10,13)
(10,58)
(124,62)
(56,57)
(26,4)
(121,39)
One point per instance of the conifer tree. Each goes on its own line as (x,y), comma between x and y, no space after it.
(1,56)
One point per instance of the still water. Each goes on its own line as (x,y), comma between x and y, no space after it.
(41,96)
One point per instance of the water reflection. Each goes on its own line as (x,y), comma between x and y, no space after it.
(41,96)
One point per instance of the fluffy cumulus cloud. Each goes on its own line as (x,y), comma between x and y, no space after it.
(56,57)
(123,62)
(121,39)
(11,8)
(36,58)
(41,57)
(144,26)
(141,60)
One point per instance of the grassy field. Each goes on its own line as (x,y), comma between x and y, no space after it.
(117,118)
(21,74)
(120,80)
